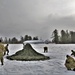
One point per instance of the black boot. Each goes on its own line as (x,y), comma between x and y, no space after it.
(74,69)
(2,61)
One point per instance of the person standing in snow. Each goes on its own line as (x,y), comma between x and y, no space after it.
(2,49)
(45,49)
(6,49)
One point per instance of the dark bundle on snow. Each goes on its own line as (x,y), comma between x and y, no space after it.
(27,54)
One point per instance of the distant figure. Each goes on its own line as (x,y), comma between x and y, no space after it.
(6,49)
(70,63)
(2,49)
(45,49)
(23,46)
(73,52)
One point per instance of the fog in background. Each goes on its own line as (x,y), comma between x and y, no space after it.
(36,17)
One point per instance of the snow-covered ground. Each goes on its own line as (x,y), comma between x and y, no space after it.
(54,66)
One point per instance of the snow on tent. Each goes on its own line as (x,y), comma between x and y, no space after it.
(34,42)
(27,54)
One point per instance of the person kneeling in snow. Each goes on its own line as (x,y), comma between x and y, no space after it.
(70,63)
(73,52)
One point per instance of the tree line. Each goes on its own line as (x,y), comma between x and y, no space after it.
(16,41)
(65,37)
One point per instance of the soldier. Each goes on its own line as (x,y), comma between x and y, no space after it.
(70,63)
(45,49)
(73,52)
(2,49)
(6,49)
(23,46)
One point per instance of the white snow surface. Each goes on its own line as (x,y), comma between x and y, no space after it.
(53,66)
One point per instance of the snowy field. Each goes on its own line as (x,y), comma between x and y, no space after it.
(54,66)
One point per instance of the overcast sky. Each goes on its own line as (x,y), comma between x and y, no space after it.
(36,17)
